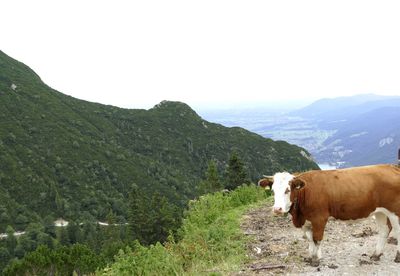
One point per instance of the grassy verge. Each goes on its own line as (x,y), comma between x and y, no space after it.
(210,240)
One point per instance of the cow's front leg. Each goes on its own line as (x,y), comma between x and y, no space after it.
(318,227)
(383,232)
(307,230)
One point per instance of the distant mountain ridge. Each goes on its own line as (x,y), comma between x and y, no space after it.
(70,158)
(345,107)
(365,129)
(370,138)
(344,131)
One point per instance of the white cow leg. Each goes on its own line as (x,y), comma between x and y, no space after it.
(314,247)
(319,251)
(308,235)
(383,232)
(316,254)
(394,220)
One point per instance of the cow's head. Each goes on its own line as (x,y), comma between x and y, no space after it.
(281,189)
(282,184)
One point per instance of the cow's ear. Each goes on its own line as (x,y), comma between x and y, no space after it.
(297,184)
(266,183)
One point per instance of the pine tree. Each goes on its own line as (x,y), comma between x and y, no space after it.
(212,181)
(4,256)
(63,236)
(74,232)
(98,238)
(163,218)
(11,241)
(59,205)
(112,234)
(89,234)
(45,239)
(138,215)
(49,227)
(236,174)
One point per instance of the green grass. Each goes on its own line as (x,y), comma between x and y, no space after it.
(211,241)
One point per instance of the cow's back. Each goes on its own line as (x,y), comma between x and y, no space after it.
(352,193)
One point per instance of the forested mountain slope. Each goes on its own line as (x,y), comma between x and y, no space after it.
(71,158)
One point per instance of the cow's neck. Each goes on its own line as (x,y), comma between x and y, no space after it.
(295,210)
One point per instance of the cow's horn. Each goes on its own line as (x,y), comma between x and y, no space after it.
(268,176)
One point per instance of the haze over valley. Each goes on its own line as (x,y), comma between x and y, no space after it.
(338,132)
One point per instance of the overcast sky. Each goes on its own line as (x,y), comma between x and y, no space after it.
(206,53)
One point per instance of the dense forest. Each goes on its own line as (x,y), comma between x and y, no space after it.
(61,157)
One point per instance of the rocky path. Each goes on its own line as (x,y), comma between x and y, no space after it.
(276,247)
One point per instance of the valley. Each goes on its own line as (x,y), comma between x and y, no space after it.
(340,132)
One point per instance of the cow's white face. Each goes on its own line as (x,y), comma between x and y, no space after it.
(281,190)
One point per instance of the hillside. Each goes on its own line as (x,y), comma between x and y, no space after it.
(69,158)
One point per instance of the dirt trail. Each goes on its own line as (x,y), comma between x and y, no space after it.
(277,247)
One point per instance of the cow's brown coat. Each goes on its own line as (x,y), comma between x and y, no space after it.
(344,194)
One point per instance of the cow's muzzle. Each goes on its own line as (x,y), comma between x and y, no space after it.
(277,210)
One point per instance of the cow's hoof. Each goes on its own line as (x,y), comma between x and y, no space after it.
(314,262)
(376,257)
(392,240)
(307,260)
(397,259)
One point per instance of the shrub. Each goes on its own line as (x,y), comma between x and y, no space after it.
(152,260)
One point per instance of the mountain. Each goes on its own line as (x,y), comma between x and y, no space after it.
(327,106)
(358,130)
(370,138)
(70,158)
(330,113)
(344,131)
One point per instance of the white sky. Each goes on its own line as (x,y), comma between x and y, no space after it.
(206,53)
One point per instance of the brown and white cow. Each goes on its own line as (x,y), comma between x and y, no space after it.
(346,194)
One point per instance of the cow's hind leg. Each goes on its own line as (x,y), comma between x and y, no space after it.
(383,232)
(394,220)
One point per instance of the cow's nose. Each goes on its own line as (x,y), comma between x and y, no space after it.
(277,210)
